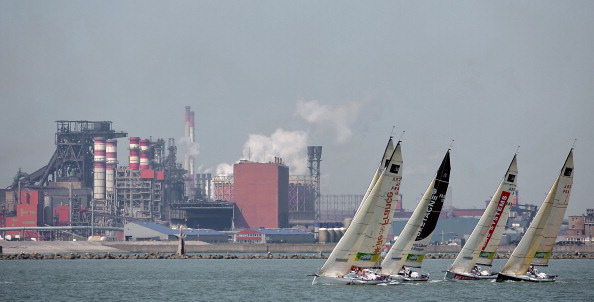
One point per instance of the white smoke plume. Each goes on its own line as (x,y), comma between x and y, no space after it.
(291,146)
(337,119)
(188,147)
(224,169)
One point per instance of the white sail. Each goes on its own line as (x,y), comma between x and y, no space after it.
(536,245)
(362,242)
(484,239)
(410,247)
(382,165)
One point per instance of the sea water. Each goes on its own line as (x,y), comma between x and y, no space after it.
(263,280)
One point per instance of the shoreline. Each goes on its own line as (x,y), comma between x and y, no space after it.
(197,250)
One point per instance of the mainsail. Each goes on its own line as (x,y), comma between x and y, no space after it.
(410,247)
(484,239)
(380,168)
(536,245)
(363,240)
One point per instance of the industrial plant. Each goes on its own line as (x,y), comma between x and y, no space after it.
(84,190)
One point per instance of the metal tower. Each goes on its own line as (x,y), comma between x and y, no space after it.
(73,158)
(314,157)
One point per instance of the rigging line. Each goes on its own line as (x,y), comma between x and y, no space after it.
(401,135)
(451,144)
(517,150)
(574,141)
(392,132)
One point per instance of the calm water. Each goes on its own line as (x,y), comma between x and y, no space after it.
(261,280)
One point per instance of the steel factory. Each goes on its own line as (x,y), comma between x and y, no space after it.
(84,190)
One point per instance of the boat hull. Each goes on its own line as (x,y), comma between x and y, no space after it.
(464,276)
(401,278)
(525,278)
(320,280)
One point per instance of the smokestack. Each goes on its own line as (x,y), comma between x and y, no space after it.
(134,147)
(111,162)
(144,154)
(187,124)
(192,139)
(99,168)
(188,159)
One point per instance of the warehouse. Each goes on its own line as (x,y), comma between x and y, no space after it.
(150,231)
(262,235)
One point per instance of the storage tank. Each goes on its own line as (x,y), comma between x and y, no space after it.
(330,235)
(323,235)
(48,208)
(337,234)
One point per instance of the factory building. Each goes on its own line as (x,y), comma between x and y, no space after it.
(261,194)
(150,231)
(302,193)
(84,185)
(29,211)
(263,235)
(580,229)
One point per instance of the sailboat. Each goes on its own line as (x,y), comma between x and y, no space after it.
(408,252)
(356,256)
(484,240)
(537,244)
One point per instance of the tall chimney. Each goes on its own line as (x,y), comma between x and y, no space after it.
(134,147)
(144,154)
(99,168)
(111,162)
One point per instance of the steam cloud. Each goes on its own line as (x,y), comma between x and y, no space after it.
(338,119)
(189,147)
(291,146)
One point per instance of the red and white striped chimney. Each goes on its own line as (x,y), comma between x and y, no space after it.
(111,162)
(144,154)
(99,168)
(134,148)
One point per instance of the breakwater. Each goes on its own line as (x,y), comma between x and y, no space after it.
(73,256)
(201,250)
(153,256)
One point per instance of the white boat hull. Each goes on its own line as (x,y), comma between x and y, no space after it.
(416,278)
(327,280)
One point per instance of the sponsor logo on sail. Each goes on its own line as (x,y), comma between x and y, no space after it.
(542,255)
(415,258)
(434,198)
(500,207)
(387,217)
(487,255)
(367,257)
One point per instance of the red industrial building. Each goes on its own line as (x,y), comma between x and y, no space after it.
(261,194)
(29,212)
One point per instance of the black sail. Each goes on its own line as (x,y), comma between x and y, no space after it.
(440,189)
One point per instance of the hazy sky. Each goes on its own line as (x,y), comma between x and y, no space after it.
(268,78)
